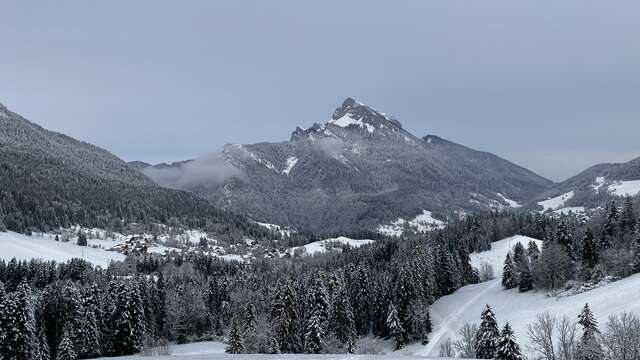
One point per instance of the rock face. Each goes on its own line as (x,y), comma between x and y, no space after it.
(357,170)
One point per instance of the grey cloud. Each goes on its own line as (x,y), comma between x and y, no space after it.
(208,171)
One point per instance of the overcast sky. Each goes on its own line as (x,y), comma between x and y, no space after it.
(551,85)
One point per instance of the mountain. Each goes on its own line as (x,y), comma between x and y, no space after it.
(359,169)
(595,187)
(49,180)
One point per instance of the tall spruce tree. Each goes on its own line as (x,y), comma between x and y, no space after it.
(66,349)
(589,249)
(344,326)
(628,216)
(235,342)
(18,327)
(589,347)
(508,348)
(487,336)
(508,281)
(635,249)
(395,327)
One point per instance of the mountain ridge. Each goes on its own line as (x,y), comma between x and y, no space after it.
(358,169)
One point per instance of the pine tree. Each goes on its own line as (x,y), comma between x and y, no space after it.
(395,327)
(44,352)
(628,216)
(564,238)
(533,252)
(82,238)
(635,249)
(284,314)
(604,242)
(17,323)
(344,326)
(613,218)
(235,342)
(487,336)
(589,347)
(314,334)
(526,279)
(508,281)
(508,348)
(249,319)
(589,250)
(66,350)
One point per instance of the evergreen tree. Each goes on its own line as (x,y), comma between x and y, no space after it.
(508,348)
(235,342)
(526,279)
(284,312)
(82,238)
(249,319)
(635,249)
(589,347)
(314,334)
(589,250)
(44,352)
(395,327)
(604,242)
(344,324)
(488,334)
(17,323)
(612,223)
(508,281)
(628,216)
(66,350)
(533,252)
(564,238)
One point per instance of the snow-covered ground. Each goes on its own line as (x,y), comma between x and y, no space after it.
(24,247)
(318,247)
(215,350)
(556,202)
(421,223)
(449,313)
(625,188)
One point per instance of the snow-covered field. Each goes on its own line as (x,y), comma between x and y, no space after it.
(215,350)
(321,246)
(556,202)
(24,247)
(625,188)
(520,309)
(421,223)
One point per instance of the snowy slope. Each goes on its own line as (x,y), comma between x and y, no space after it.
(422,223)
(318,247)
(625,188)
(556,202)
(24,247)
(519,309)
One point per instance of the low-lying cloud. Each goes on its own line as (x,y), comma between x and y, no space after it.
(210,171)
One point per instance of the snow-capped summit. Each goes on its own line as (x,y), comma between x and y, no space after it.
(359,169)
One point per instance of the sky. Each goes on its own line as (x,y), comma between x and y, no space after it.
(553,86)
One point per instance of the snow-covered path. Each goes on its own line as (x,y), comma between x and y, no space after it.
(450,313)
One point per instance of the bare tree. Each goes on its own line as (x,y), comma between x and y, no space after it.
(446,349)
(465,344)
(541,337)
(622,337)
(567,339)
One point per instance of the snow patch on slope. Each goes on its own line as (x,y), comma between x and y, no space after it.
(556,202)
(600,180)
(421,223)
(323,246)
(625,188)
(347,121)
(511,203)
(24,247)
(291,162)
